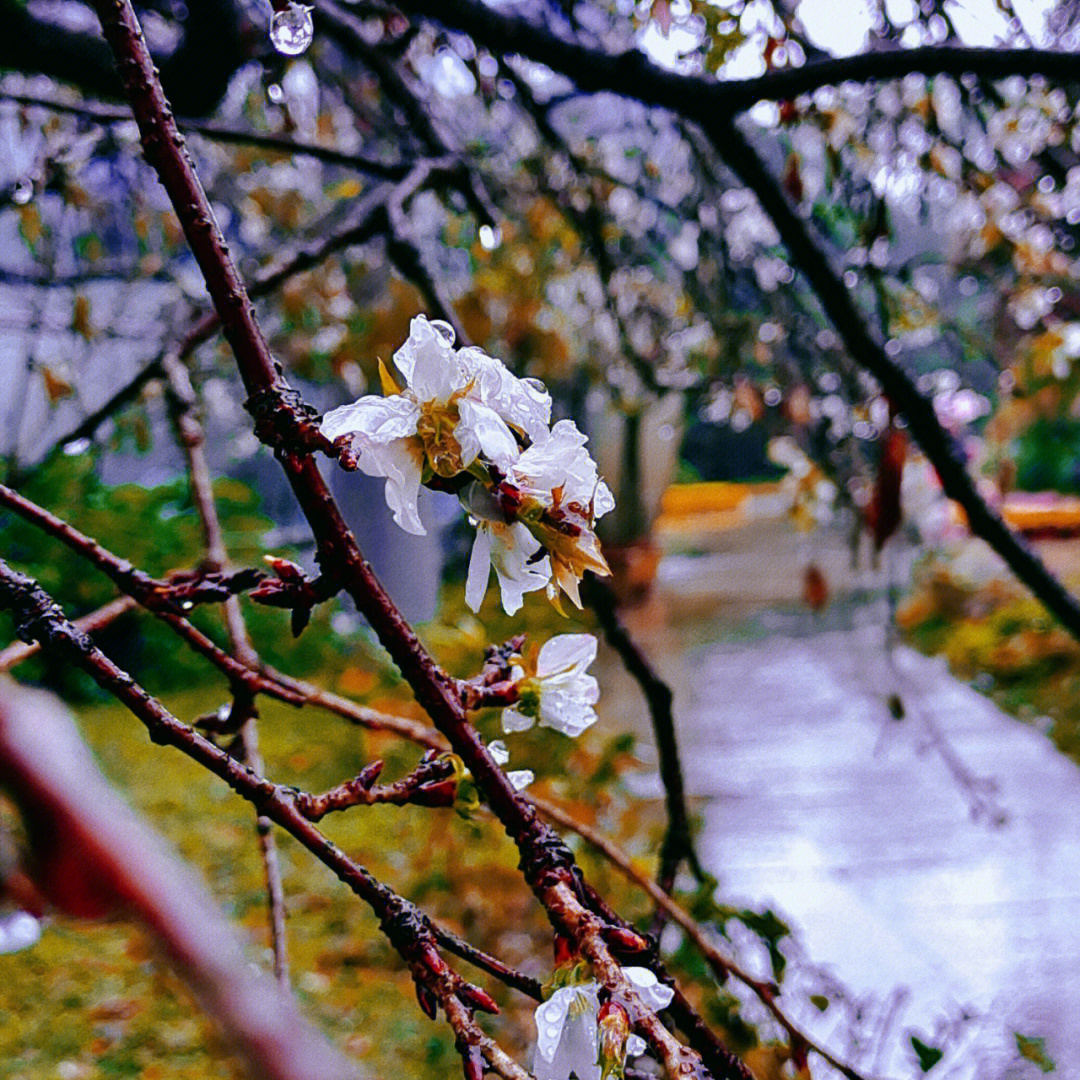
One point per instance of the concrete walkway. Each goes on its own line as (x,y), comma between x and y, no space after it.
(859,829)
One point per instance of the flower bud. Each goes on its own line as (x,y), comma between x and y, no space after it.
(614,1031)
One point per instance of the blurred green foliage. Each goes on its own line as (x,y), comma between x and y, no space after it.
(157,530)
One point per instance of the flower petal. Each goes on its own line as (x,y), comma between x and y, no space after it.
(651,990)
(520,779)
(513,721)
(522,403)
(476,582)
(550,1020)
(490,433)
(566,652)
(399,462)
(428,361)
(512,548)
(373,419)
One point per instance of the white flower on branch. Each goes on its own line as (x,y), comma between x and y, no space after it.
(449,413)
(554,688)
(509,547)
(563,496)
(568,1029)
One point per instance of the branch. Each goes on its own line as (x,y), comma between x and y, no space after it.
(38,617)
(190,435)
(431,783)
(217,132)
(181,593)
(633,75)
(722,966)
(546,863)
(73,816)
(678,839)
(938,445)
(19,651)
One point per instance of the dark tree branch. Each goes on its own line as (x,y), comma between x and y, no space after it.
(546,862)
(938,445)
(39,618)
(189,433)
(678,840)
(181,593)
(632,74)
(103,114)
(197,71)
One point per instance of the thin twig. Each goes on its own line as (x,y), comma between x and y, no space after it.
(190,435)
(19,651)
(38,617)
(217,132)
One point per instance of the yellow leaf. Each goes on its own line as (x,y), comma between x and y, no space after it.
(345,189)
(80,318)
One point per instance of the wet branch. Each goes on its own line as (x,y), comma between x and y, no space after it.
(632,74)
(39,618)
(189,433)
(282,421)
(180,593)
(678,839)
(103,114)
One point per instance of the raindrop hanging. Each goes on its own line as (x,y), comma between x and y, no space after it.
(291,29)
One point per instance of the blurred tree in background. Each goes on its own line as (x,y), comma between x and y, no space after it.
(733,239)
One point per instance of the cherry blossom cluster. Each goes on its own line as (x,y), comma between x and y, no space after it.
(460,419)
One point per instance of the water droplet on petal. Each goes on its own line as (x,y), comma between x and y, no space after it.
(490,238)
(443,328)
(23,192)
(187,605)
(291,29)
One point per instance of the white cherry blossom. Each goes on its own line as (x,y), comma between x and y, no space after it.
(563,496)
(557,470)
(509,547)
(567,1029)
(456,406)
(554,687)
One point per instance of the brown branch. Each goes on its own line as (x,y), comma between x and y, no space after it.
(190,435)
(39,618)
(546,863)
(678,839)
(431,783)
(183,591)
(633,75)
(72,815)
(217,132)
(722,966)
(19,651)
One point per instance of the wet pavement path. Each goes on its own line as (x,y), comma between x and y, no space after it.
(858,828)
